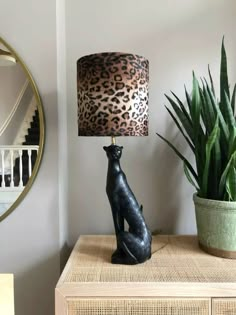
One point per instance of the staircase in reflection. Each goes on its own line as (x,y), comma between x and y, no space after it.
(24,164)
(32,138)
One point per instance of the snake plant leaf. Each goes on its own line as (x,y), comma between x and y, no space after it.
(204,114)
(223,126)
(183,119)
(231,183)
(229,115)
(208,109)
(225,174)
(216,172)
(216,159)
(212,84)
(212,113)
(188,98)
(222,122)
(195,108)
(232,141)
(233,99)
(180,129)
(224,84)
(198,134)
(190,179)
(233,148)
(182,107)
(209,145)
(201,135)
(188,165)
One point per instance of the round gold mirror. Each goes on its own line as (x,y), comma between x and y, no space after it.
(21,130)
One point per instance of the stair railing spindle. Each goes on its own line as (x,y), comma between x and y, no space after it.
(3,168)
(30,163)
(21,168)
(12,168)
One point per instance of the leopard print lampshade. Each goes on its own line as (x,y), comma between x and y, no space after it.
(112,95)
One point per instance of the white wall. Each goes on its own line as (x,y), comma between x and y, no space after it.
(29,237)
(176,37)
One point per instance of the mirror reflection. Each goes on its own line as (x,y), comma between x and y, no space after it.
(20,119)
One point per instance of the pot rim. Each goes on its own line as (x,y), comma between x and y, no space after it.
(227,205)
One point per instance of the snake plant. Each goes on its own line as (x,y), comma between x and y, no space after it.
(209,127)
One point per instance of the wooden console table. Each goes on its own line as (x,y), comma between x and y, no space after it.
(179,279)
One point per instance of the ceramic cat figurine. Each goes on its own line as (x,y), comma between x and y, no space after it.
(133,246)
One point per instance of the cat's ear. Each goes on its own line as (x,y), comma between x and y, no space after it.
(105,148)
(121,148)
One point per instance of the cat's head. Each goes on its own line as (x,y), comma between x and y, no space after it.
(114,152)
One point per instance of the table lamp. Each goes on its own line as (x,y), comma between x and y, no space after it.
(113,101)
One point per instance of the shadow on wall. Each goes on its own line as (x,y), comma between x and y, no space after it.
(168,192)
(64,255)
(37,278)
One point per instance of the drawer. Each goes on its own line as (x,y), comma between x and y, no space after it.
(138,306)
(224,306)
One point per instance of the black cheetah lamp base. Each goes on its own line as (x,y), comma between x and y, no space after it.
(134,245)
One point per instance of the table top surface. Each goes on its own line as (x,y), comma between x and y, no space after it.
(6,294)
(174,259)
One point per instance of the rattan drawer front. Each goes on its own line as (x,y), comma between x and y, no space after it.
(224,306)
(136,306)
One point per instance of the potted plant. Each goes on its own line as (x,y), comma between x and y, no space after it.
(209,127)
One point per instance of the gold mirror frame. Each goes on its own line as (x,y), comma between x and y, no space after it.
(41,128)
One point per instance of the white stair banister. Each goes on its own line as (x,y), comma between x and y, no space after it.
(8,155)
(3,168)
(21,168)
(12,168)
(30,163)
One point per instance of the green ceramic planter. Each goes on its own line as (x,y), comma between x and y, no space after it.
(216,226)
